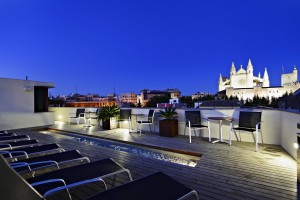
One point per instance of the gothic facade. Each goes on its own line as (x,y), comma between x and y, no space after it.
(245,85)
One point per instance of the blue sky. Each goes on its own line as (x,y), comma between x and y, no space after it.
(96,45)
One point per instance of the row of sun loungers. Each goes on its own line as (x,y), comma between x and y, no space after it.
(18,156)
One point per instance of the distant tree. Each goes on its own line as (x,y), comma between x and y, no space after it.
(188,100)
(264,101)
(56,101)
(233,98)
(139,105)
(274,102)
(157,99)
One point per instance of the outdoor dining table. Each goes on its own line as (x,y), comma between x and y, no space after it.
(136,115)
(221,119)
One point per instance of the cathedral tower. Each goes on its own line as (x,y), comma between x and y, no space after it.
(266,81)
(249,78)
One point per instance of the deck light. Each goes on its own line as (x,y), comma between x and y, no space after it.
(296,145)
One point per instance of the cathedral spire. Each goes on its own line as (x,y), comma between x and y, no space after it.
(250,66)
(266,76)
(258,74)
(232,70)
(266,82)
(220,79)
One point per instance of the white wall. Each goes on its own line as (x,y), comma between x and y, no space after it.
(17,120)
(278,127)
(289,132)
(17,105)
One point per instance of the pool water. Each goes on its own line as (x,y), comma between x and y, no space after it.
(142,151)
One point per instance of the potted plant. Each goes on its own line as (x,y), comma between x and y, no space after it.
(168,126)
(106,113)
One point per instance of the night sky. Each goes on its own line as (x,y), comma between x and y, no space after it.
(93,46)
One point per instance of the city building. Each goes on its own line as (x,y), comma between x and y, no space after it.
(147,94)
(199,95)
(245,85)
(130,98)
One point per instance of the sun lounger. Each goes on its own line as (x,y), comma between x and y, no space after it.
(18,144)
(158,186)
(41,162)
(31,151)
(14,186)
(58,180)
(1,132)
(14,138)
(7,134)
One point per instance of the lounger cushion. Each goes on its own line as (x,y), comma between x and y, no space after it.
(58,157)
(158,186)
(35,149)
(13,137)
(19,143)
(6,134)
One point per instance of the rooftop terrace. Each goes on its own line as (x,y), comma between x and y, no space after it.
(223,172)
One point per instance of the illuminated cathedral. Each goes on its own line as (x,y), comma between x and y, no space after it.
(245,85)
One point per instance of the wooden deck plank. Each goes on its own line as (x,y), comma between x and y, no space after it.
(223,172)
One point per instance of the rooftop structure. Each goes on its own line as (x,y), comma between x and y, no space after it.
(270,173)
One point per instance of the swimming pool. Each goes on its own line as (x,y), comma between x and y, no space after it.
(167,156)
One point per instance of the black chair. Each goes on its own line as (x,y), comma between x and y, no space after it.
(249,122)
(193,121)
(31,151)
(158,186)
(125,116)
(36,163)
(18,144)
(150,120)
(80,114)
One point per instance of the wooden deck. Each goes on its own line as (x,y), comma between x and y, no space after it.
(223,172)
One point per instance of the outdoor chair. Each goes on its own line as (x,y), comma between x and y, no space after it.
(57,159)
(31,151)
(158,186)
(18,144)
(125,116)
(150,120)
(249,122)
(193,121)
(14,186)
(94,115)
(80,114)
(14,138)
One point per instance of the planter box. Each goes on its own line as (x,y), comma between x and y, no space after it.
(168,128)
(109,124)
(106,124)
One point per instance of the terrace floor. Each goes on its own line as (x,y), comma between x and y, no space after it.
(223,172)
